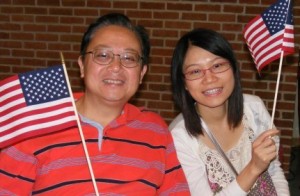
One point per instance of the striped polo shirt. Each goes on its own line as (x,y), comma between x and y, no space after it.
(137,157)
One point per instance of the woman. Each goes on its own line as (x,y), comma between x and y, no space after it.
(207,89)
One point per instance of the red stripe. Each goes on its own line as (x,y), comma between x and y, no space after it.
(270,50)
(250,24)
(36,122)
(268,61)
(10,89)
(254,38)
(34,112)
(37,133)
(263,39)
(8,80)
(259,60)
(9,100)
(11,109)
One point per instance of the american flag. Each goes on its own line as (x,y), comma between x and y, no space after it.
(34,103)
(270,33)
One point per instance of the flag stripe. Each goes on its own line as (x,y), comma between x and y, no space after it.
(37,131)
(13,101)
(46,107)
(14,123)
(252,32)
(268,50)
(6,83)
(37,125)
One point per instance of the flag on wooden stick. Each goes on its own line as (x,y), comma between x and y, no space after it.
(34,103)
(271,33)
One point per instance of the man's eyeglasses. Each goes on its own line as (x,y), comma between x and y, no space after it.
(193,72)
(105,57)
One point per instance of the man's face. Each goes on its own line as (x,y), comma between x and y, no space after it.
(112,83)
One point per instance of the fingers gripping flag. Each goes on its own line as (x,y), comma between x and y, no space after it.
(271,33)
(33,104)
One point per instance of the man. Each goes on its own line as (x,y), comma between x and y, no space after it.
(131,150)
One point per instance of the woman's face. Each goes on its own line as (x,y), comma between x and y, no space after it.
(213,89)
(112,83)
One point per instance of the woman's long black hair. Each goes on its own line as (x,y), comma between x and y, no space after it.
(215,43)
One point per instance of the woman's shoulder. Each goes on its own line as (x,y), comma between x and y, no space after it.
(177,122)
(178,130)
(253,102)
(252,99)
(256,113)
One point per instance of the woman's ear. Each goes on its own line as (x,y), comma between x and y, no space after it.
(81,66)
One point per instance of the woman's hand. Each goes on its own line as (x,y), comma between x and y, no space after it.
(263,151)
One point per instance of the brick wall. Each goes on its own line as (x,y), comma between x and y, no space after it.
(33,32)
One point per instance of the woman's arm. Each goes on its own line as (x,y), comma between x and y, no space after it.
(194,168)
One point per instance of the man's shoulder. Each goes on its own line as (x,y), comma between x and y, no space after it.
(145,113)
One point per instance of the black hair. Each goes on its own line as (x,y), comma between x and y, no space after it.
(120,20)
(215,43)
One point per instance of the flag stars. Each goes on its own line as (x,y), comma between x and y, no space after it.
(44,86)
(275,17)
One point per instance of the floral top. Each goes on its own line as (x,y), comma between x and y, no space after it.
(218,172)
(205,169)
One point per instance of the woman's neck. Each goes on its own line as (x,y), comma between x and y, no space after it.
(217,115)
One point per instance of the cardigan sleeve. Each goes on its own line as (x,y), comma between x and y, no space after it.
(194,167)
(261,121)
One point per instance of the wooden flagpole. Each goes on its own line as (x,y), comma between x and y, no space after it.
(276,90)
(79,126)
(279,74)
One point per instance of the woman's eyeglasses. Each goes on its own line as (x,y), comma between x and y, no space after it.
(193,72)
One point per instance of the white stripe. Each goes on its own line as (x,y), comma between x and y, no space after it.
(259,38)
(268,56)
(37,127)
(288,26)
(289,44)
(34,107)
(257,31)
(288,35)
(10,94)
(268,48)
(36,117)
(8,85)
(11,104)
(252,26)
(267,42)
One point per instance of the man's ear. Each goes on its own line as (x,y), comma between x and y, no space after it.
(81,66)
(143,72)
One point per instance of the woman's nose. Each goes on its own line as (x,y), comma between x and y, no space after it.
(209,76)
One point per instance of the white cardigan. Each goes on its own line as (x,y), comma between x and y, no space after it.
(187,148)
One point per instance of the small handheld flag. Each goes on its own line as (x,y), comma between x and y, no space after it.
(270,36)
(271,33)
(34,103)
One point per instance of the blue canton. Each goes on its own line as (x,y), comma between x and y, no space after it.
(277,15)
(44,85)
